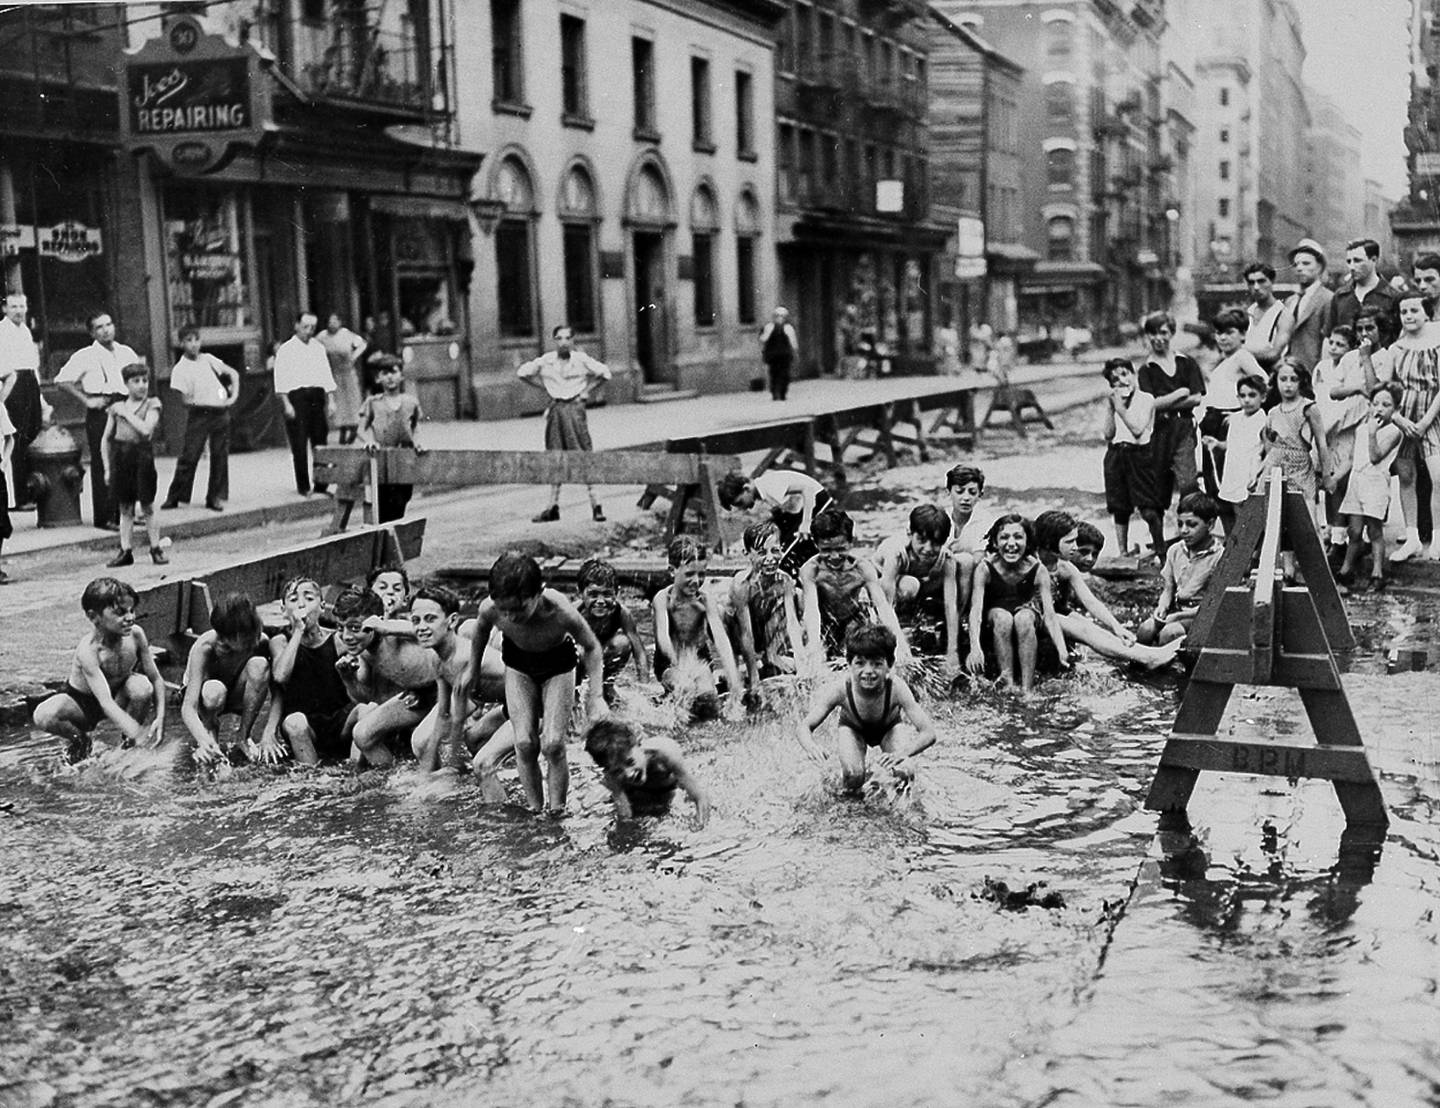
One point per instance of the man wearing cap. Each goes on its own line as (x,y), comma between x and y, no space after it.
(1309,307)
(1364,287)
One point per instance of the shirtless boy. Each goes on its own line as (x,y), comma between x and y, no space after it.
(689,624)
(765,607)
(435,613)
(392,677)
(642,774)
(113,676)
(541,630)
(917,573)
(842,591)
(620,642)
(228,671)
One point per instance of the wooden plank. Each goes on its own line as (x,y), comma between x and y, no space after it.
(1362,804)
(1171,788)
(1267,759)
(1201,710)
(1263,609)
(1232,569)
(1304,541)
(537,467)
(1331,717)
(742,440)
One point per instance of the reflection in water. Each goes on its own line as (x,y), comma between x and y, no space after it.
(321,937)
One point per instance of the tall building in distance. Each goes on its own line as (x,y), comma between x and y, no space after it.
(1415,221)
(1334,182)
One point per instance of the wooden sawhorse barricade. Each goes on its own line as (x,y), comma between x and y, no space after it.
(175,611)
(1270,634)
(685,479)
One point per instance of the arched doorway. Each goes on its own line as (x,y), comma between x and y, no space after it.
(650,218)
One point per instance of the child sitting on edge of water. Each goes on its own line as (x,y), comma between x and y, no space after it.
(690,627)
(764,609)
(1188,566)
(597,584)
(1058,544)
(918,576)
(642,774)
(309,703)
(112,676)
(1012,597)
(872,700)
(542,632)
(841,591)
(969,524)
(393,678)
(1367,496)
(228,671)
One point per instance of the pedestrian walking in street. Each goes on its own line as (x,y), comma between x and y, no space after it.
(1309,307)
(128,453)
(343,347)
(93,376)
(306,388)
(391,420)
(778,348)
(20,391)
(1177,385)
(568,376)
(208,388)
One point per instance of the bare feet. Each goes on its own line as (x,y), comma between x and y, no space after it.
(1153,657)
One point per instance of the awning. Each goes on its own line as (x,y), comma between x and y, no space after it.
(421,207)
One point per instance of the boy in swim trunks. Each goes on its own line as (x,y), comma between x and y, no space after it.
(228,671)
(764,608)
(871,701)
(541,630)
(836,586)
(309,704)
(917,573)
(112,676)
(642,774)
(613,626)
(393,678)
(689,623)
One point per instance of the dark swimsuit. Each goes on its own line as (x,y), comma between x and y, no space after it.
(316,691)
(1000,593)
(655,792)
(541,665)
(87,703)
(871,731)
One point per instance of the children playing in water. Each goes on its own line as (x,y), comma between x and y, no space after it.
(112,676)
(872,701)
(1012,599)
(794,500)
(642,774)
(228,672)
(309,704)
(764,607)
(392,677)
(598,584)
(690,628)
(918,576)
(1188,566)
(841,591)
(969,524)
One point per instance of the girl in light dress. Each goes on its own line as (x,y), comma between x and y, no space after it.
(1367,497)
(1295,442)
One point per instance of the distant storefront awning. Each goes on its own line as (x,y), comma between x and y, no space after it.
(1051,276)
(421,207)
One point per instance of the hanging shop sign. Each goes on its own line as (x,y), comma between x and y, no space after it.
(68,241)
(192,98)
(15,237)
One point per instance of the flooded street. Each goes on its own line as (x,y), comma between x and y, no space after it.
(292,937)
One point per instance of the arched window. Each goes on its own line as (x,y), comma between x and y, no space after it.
(747,232)
(1060,105)
(1060,234)
(515,295)
(579,214)
(704,223)
(1059,37)
(649,199)
(1060,168)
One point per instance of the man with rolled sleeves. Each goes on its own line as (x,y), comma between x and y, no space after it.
(92,375)
(20,388)
(306,389)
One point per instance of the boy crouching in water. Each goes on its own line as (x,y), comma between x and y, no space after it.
(541,631)
(642,774)
(228,671)
(871,700)
(309,704)
(690,624)
(113,676)
(598,584)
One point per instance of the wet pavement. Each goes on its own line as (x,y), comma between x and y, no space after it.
(314,937)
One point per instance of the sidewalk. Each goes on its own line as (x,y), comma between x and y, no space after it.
(262,483)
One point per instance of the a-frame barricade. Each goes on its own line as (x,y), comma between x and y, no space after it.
(1268,633)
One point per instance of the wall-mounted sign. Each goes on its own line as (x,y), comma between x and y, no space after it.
(192,97)
(889,196)
(969,269)
(68,241)
(15,237)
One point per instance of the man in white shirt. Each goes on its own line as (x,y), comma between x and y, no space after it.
(306,389)
(20,388)
(92,375)
(1270,321)
(209,389)
(568,376)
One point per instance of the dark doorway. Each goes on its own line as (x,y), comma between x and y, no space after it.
(651,349)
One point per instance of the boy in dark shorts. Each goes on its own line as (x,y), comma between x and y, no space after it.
(113,676)
(1131,481)
(872,702)
(689,624)
(228,671)
(836,586)
(597,583)
(542,631)
(127,450)
(642,774)
(309,705)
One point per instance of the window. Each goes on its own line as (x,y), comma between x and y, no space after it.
(1060,168)
(574,100)
(1224,171)
(1060,105)
(205,257)
(1224,97)
(807,165)
(505,52)
(744,114)
(1224,208)
(704,222)
(642,64)
(1059,35)
(700,103)
(747,231)
(1224,134)
(421,251)
(867,60)
(515,296)
(578,214)
(785,161)
(1060,236)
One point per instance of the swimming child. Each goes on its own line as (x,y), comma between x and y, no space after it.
(598,584)
(127,457)
(1244,449)
(309,704)
(872,701)
(642,774)
(841,591)
(1367,497)
(690,624)
(112,676)
(542,631)
(1012,597)
(1188,566)
(918,576)
(228,671)
(764,609)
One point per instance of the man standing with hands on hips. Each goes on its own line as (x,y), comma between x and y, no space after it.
(92,375)
(306,389)
(568,376)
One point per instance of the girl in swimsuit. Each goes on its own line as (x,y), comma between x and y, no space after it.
(871,701)
(1011,596)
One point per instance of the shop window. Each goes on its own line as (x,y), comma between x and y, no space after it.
(1060,168)
(425,278)
(205,260)
(574,95)
(1060,234)
(704,222)
(507,58)
(785,162)
(1224,208)
(1224,171)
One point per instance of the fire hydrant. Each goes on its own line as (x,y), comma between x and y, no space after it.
(55,477)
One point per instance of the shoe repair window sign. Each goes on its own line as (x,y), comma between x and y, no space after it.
(191,97)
